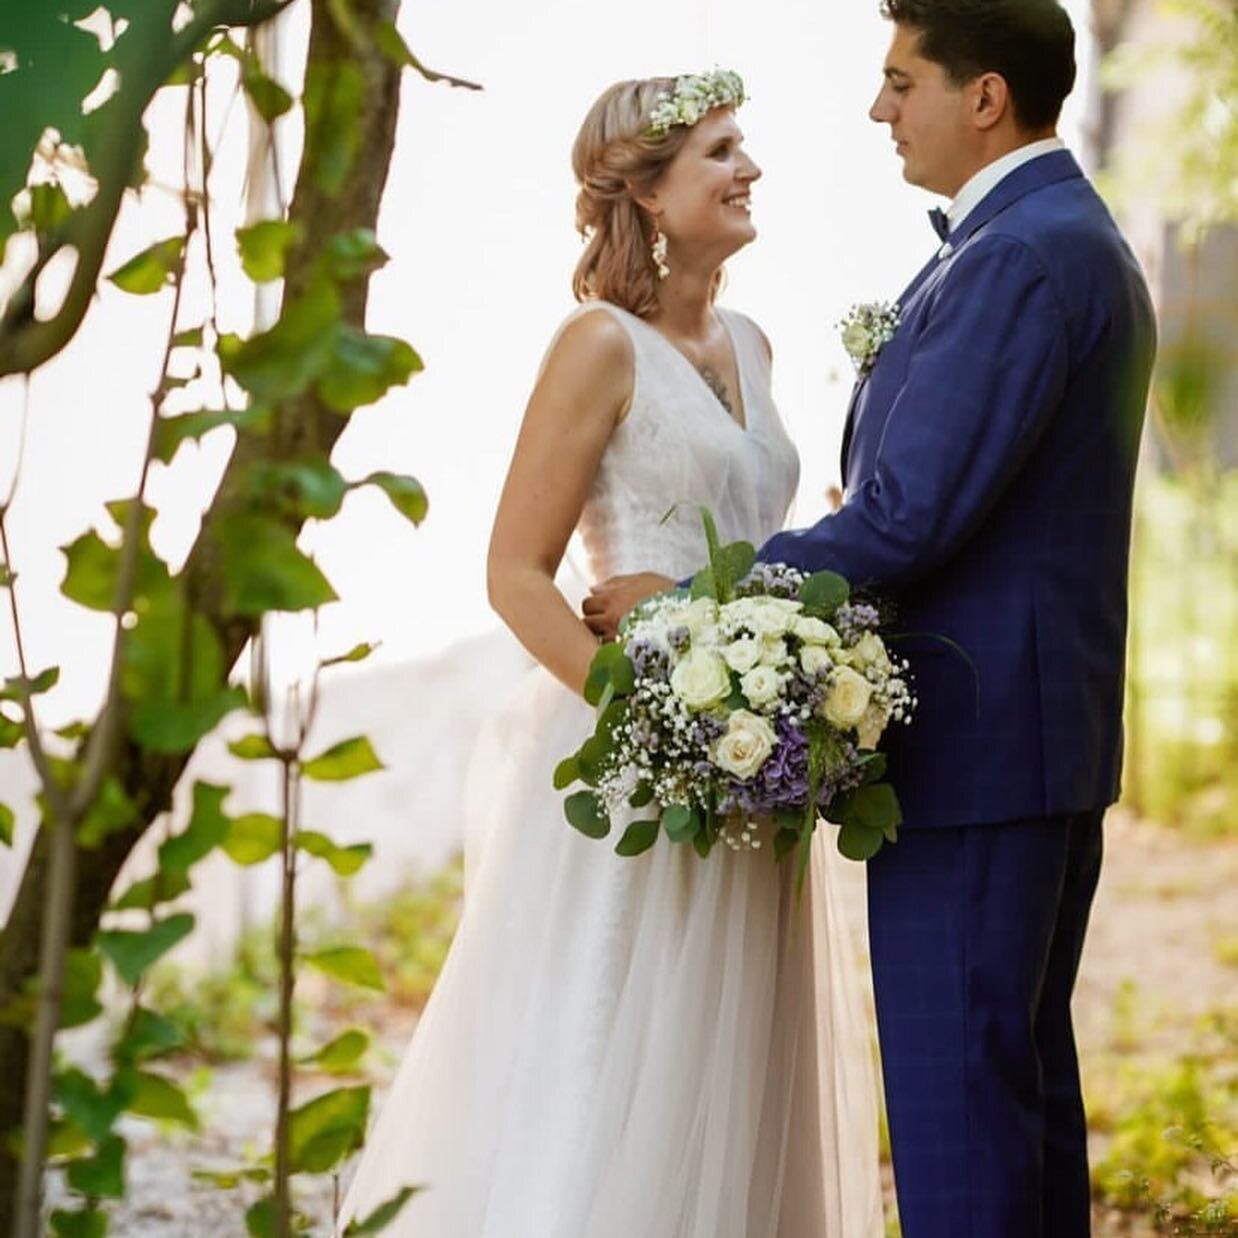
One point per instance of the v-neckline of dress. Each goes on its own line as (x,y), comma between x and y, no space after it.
(744,426)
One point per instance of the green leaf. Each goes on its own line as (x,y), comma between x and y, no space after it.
(93,568)
(680,822)
(264,246)
(82,1099)
(566,773)
(737,558)
(191,337)
(101,1176)
(311,487)
(585,811)
(703,585)
(150,270)
(11,733)
(65,1138)
(362,368)
(873,765)
(349,759)
(354,253)
(79,987)
(638,837)
(340,1053)
(874,807)
(147,894)
(147,1035)
(383,1215)
(208,827)
(171,432)
(324,1130)
(282,362)
(334,93)
(261,1219)
(253,838)
(269,98)
(161,726)
(7,823)
(825,591)
(641,796)
(358,653)
(253,748)
(858,842)
(49,208)
(343,860)
(159,1098)
(262,569)
(352,964)
(111,811)
(87,1224)
(16,687)
(405,493)
(132,952)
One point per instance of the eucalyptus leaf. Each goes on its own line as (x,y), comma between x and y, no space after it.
(680,822)
(825,592)
(566,773)
(585,811)
(859,842)
(638,837)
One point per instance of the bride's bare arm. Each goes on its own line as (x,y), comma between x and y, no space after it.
(583,392)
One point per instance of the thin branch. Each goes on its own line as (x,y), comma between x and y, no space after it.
(432,75)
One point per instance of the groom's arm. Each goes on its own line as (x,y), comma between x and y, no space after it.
(985,378)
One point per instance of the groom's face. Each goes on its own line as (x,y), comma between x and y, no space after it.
(927,115)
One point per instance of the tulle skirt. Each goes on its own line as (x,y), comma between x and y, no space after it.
(658,1047)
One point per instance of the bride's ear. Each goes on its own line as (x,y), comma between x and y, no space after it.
(648,200)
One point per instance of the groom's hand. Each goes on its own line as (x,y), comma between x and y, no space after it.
(611,599)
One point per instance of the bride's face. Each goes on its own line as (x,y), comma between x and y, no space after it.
(703,199)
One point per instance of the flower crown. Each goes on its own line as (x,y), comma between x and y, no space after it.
(694,96)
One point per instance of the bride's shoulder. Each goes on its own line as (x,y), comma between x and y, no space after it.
(594,332)
(750,325)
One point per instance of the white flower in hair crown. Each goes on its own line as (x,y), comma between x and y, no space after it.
(694,96)
(866,329)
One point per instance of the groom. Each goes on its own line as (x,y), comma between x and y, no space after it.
(989,459)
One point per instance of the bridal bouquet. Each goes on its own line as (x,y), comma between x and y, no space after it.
(742,712)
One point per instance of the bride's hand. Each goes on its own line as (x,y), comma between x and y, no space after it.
(611,599)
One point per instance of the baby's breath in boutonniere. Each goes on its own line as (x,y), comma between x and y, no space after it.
(866,329)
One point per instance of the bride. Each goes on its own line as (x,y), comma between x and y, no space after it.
(659,1047)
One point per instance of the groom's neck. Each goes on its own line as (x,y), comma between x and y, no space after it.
(998,146)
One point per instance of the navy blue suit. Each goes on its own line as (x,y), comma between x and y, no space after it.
(989,464)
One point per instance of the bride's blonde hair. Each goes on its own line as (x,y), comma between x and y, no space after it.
(615,155)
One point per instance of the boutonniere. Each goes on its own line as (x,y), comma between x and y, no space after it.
(866,329)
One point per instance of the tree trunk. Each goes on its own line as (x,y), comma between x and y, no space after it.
(302,423)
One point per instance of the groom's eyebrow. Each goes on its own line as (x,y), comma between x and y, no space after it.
(892,73)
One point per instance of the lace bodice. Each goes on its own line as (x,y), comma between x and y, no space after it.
(678,449)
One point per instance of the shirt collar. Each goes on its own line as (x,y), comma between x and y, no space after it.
(978,188)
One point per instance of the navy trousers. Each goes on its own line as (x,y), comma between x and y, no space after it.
(975,935)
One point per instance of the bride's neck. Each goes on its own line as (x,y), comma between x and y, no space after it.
(685,303)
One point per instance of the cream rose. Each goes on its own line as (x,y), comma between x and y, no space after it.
(870,727)
(870,650)
(762,686)
(773,616)
(814,631)
(701,679)
(742,655)
(774,651)
(698,616)
(745,747)
(855,339)
(848,697)
(814,658)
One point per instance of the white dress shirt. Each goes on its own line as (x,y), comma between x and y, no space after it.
(976,189)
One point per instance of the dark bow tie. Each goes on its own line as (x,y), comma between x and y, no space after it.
(941,222)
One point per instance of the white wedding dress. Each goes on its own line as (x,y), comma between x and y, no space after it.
(659,1047)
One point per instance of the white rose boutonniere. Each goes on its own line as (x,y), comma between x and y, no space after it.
(866,329)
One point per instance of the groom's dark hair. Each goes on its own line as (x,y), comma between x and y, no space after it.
(1031,43)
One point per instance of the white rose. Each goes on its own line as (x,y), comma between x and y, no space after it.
(870,727)
(701,679)
(698,616)
(814,658)
(744,748)
(870,650)
(742,655)
(814,631)
(848,698)
(773,616)
(855,339)
(762,685)
(774,652)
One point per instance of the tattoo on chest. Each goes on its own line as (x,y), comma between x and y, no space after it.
(714,381)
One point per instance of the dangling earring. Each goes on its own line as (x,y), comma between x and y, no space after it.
(657,251)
